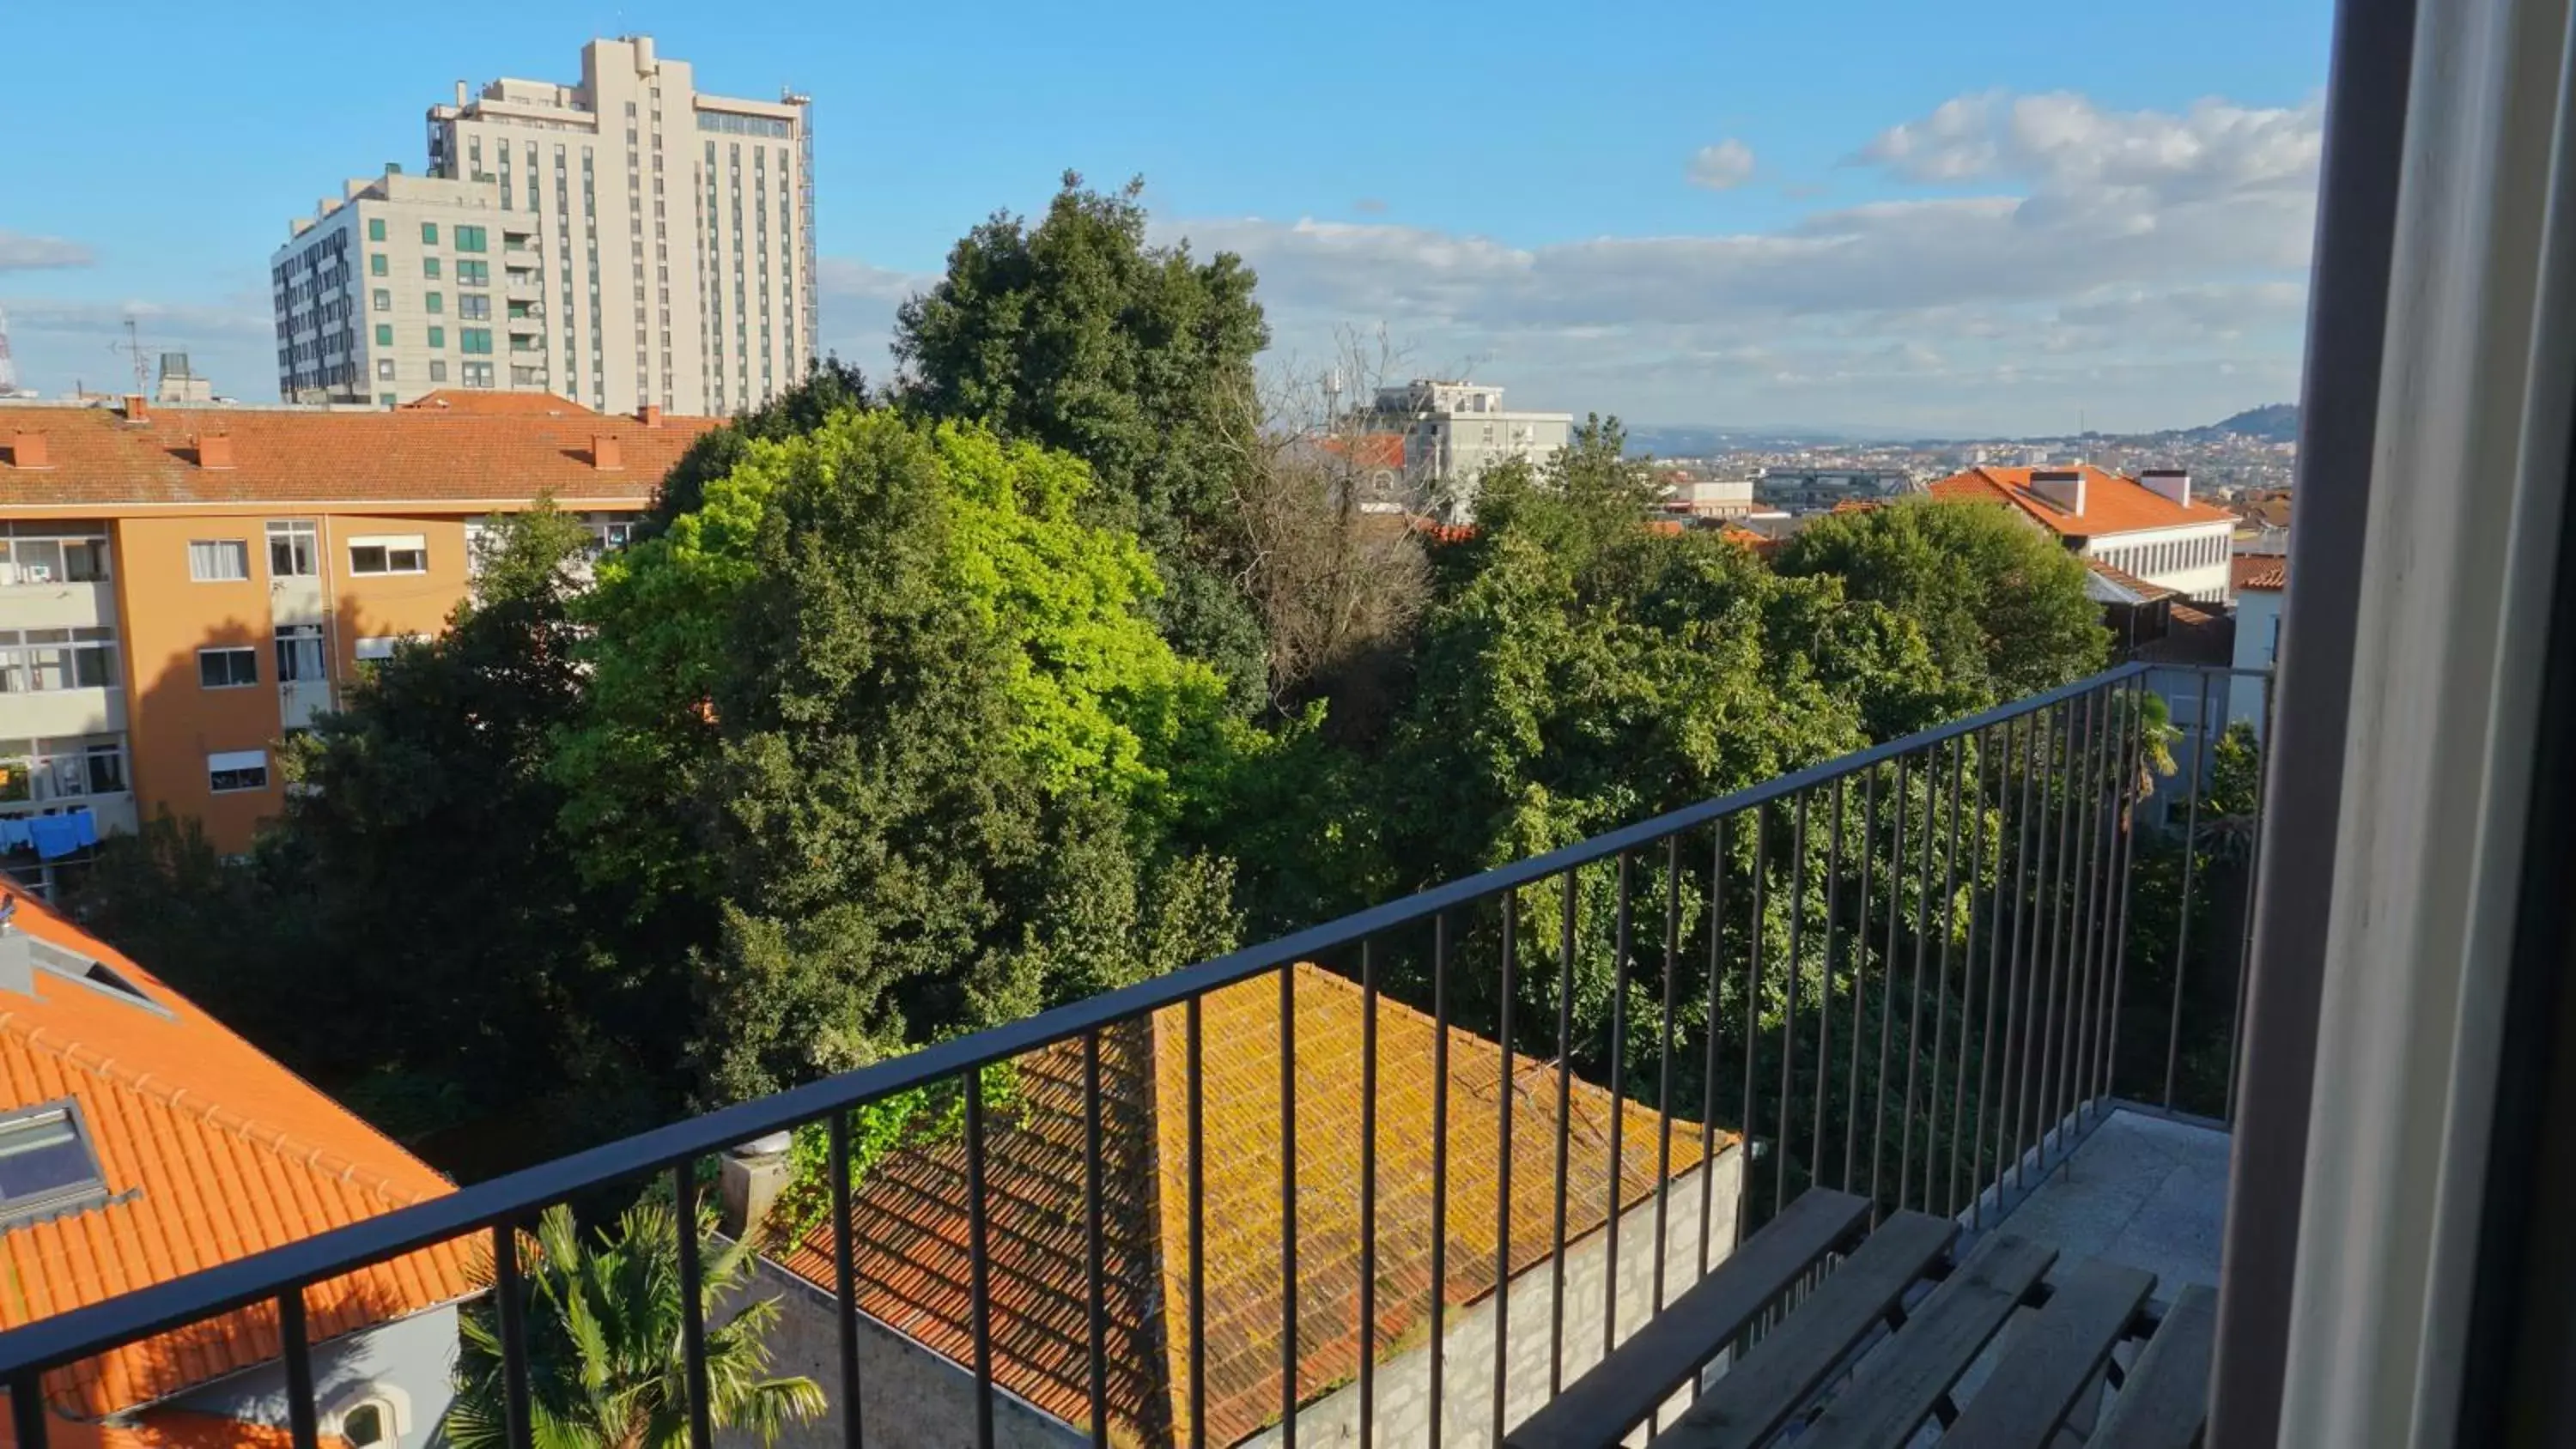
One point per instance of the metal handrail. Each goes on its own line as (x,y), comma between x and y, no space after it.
(501,1205)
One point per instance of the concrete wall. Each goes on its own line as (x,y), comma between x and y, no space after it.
(2192,559)
(908,1395)
(1403,1400)
(2258,625)
(407,1363)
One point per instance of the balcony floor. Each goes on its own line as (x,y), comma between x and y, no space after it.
(2141,1190)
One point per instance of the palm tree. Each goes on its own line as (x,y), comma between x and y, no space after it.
(605,1364)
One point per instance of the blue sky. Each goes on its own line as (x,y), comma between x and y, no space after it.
(1955,218)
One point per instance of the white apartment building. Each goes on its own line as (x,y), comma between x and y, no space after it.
(1454,431)
(627,241)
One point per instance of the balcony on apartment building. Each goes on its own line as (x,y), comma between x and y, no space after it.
(63,695)
(1885,1098)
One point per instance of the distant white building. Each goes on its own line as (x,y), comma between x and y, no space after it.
(1454,431)
(2148,527)
(2261,582)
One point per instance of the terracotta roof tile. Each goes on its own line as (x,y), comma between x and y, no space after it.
(2260,571)
(2145,592)
(96,458)
(211,1151)
(493,403)
(910,1222)
(2112,504)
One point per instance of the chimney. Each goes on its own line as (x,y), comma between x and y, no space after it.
(27,450)
(604,453)
(2169,483)
(650,415)
(135,411)
(214,450)
(2061,486)
(749,1179)
(460,95)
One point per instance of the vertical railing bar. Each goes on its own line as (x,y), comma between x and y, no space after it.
(2054,903)
(2043,774)
(1967,967)
(1708,1072)
(1438,1346)
(295,1341)
(1825,993)
(1941,990)
(1564,1133)
(1622,944)
(1922,942)
(1288,1395)
(2115,795)
(2106,847)
(1505,1092)
(1998,979)
(27,1409)
(509,1295)
(979,1249)
(1095,1239)
(1192,1031)
(1753,1009)
(693,1319)
(2126,801)
(1860,974)
(2200,761)
(1664,1073)
(1887,986)
(2253,874)
(1368,1192)
(1789,996)
(2088,841)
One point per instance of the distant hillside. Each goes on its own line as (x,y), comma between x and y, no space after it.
(2272,423)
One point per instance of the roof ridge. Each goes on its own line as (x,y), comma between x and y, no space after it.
(249,1129)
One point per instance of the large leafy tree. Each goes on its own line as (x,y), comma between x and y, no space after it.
(1077,334)
(895,709)
(605,1369)
(2001,604)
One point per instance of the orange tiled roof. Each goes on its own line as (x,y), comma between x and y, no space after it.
(95,458)
(2260,571)
(2146,592)
(165,1429)
(910,1219)
(493,403)
(2112,504)
(211,1151)
(2192,636)
(1368,450)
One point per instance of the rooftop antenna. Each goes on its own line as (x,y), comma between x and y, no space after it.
(132,347)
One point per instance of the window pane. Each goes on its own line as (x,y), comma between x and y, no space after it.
(219,559)
(86,562)
(97,666)
(42,1155)
(106,770)
(366,560)
(363,1426)
(49,667)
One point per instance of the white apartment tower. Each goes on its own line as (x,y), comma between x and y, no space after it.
(626,242)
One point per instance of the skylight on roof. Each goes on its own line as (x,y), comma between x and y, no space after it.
(98,975)
(47,1164)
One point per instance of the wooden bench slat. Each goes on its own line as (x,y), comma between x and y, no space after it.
(1768,1384)
(2165,1403)
(1899,1390)
(1621,1390)
(2055,1358)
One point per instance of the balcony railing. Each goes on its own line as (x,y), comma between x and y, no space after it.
(1917,974)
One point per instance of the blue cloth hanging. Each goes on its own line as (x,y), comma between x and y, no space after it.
(84,826)
(56,836)
(13,833)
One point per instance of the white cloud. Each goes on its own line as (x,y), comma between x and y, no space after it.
(2140,261)
(160,323)
(20,251)
(1727,164)
(851,277)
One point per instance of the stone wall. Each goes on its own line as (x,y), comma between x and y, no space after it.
(910,1396)
(1403,1387)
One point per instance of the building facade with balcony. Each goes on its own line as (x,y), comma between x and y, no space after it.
(184,588)
(1453,431)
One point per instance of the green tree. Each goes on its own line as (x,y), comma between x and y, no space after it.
(2001,604)
(896,711)
(603,1326)
(1076,334)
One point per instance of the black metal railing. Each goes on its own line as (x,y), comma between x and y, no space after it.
(1916,973)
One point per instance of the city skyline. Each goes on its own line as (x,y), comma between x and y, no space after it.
(1959,229)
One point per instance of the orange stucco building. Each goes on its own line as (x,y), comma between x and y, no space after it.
(182,587)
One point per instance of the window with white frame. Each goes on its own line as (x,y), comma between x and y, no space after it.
(231,666)
(299,654)
(38,661)
(379,648)
(230,772)
(395,553)
(294,549)
(219,560)
(36,558)
(43,771)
